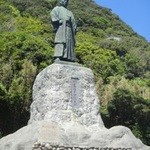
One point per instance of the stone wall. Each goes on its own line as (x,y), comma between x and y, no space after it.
(48,146)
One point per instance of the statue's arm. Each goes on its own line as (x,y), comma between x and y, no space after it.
(55,19)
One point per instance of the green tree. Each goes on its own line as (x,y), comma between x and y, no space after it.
(129,110)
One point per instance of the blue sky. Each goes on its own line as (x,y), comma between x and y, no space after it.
(135,13)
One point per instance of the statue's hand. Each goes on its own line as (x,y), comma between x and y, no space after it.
(60,21)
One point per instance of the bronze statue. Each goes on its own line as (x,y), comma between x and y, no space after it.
(65,27)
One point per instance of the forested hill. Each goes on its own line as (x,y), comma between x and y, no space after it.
(119,58)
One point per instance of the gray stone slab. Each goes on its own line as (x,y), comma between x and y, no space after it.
(65,93)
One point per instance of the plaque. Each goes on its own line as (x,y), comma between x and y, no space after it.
(75,93)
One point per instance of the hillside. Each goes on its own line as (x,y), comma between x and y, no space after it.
(119,58)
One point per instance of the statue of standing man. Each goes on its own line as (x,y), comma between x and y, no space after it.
(65,27)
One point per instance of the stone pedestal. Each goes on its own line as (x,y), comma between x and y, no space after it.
(64,93)
(65,115)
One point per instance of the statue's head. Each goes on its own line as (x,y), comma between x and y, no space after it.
(63,3)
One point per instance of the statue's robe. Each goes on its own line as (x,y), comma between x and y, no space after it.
(64,25)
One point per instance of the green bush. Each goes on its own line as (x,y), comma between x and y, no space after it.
(129,110)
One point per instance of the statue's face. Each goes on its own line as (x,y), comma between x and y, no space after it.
(63,3)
